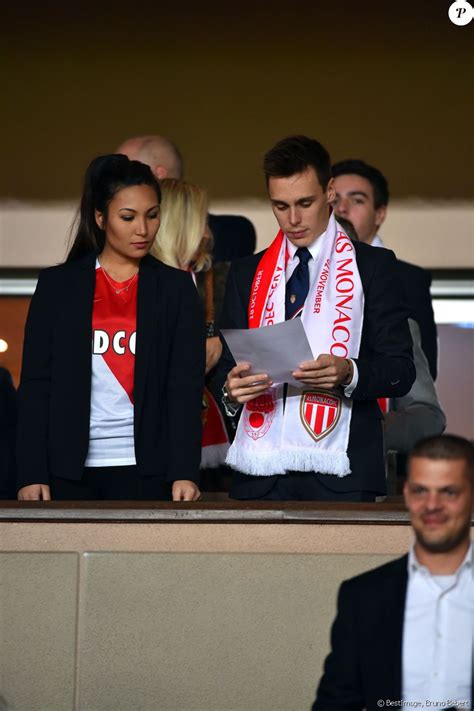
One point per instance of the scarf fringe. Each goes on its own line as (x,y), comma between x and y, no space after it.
(299,459)
(213,455)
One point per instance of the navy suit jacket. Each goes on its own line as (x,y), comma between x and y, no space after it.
(385,366)
(55,387)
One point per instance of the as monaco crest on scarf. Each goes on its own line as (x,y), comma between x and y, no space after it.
(319,412)
(258,415)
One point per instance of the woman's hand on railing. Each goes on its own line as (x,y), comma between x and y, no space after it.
(185,490)
(35,492)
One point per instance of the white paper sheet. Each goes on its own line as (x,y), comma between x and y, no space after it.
(275,350)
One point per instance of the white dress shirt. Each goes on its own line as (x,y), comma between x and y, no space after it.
(438,636)
(377,242)
(291,265)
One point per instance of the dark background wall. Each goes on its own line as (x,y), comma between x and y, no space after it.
(390,82)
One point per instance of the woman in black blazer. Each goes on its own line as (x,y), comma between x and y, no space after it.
(120,419)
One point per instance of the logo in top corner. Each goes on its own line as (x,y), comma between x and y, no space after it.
(461,13)
(320,412)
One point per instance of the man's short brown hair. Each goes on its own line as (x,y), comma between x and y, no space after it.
(446,446)
(295,154)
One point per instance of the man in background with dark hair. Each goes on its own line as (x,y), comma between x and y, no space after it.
(404,632)
(362,196)
(323,440)
(233,235)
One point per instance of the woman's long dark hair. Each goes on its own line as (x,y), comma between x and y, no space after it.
(105,176)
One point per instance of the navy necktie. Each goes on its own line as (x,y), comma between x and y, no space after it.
(297,286)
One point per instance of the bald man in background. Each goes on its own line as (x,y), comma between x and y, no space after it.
(234,235)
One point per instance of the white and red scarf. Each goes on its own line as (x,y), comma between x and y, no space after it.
(310,430)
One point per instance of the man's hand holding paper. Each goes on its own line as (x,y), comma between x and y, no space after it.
(242,387)
(326,372)
(271,355)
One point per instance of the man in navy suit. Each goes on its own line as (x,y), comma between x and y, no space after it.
(362,196)
(300,189)
(233,235)
(403,633)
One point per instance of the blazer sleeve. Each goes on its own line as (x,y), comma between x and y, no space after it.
(340,688)
(418,414)
(234,315)
(185,386)
(35,385)
(385,365)
(429,333)
(417,282)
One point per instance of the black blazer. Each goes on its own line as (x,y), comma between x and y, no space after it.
(385,366)
(416,284)
(365,662)
(55,387)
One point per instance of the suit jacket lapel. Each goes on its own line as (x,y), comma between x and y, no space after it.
(392,629)
(146,328)
(75,330)
(80,313)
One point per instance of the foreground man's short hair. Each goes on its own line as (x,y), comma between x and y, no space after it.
(295,154)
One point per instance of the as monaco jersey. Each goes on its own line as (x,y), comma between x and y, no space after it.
(114,323)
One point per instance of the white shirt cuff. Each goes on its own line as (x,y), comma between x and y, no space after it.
(349,389)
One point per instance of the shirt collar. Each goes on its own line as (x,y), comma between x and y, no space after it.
(414,566)
(377,241)
(313,248)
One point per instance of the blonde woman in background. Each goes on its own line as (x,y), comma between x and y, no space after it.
(184,241)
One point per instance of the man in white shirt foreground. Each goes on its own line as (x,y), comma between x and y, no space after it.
(403,634)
